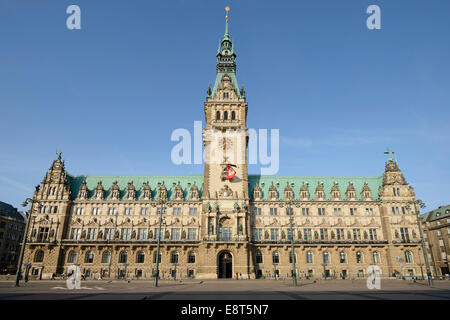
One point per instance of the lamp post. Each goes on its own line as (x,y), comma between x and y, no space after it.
(422,205)
(24,242)
(291,220)
(162,203)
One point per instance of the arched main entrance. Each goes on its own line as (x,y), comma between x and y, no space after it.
(225,265)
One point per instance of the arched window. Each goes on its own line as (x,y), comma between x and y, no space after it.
(408,257)
(342,257)
(174,257)
(225,115)
(89,257)
(290,258)
(191,257)
(233,115)
(106,257)
(276,257)
(326,257)
(359,257)
(72,257)
(259,257)
(123,257)
(154,258)
(140,257)
(376,257)
(39,256)
(309,257)
(218,115)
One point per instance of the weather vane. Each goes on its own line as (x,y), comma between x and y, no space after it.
(390,153)
(59,153)
(227,8)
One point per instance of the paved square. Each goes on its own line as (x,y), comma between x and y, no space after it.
(226,290)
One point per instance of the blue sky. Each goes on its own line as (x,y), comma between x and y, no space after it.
(110,95)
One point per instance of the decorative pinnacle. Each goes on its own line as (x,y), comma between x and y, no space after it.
(390,153)
(59,153)
(226,36)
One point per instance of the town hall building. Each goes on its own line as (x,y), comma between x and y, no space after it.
(224,222)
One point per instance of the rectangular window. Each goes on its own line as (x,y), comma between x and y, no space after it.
(396,210)
(225,233)
(305,211)
(109,233)
(337,211)
(125,234)
(274,234)
(373,234)
(356,234)
(142,234)
(340,234)
(289,234)
(307,234)
(404,234)
(403,210)
(193,211)
(393,210)
(128,211)
(159,235)
(321,211)
(192,234)
(112,211)
(273,211)
(257,234)
(144,211)
(323,234)
(42,234)
(175,234)
(289,211)
(176,211)
(92,234)
(158,211)
(76,234)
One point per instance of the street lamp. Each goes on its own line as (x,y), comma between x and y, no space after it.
(22,249)
(422,205)
(162,203)
(291,220)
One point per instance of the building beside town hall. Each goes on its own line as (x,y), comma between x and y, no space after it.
(12,226)
(217,225)
(436,226)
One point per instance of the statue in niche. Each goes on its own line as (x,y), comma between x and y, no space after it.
(183,235)
(150,234)
(133,235)
(167,236)
(240,229)
(266,235)
(211,229)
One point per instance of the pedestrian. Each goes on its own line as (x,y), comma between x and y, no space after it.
(240,276)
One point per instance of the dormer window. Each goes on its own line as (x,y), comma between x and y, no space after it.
(225,95)
(273,195)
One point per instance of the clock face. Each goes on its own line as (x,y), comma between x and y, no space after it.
(227,144)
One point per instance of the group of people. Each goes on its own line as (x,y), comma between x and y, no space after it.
(238,276)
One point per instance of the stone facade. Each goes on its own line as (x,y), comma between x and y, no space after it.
(12,226)
(219,225)
(436,226)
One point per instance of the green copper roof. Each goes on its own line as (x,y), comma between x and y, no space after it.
(170,182)
(439,213)
(358,182)
(226,63)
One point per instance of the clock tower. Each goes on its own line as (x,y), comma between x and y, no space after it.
(225,138)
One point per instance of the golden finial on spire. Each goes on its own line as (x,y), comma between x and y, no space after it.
(227,8)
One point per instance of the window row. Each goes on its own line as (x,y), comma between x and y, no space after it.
(128,211)
(323,234)
(72,257)
(224,115)
(129,233)
(326,257)
(257,211)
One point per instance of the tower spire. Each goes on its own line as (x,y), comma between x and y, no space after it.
(226,36)
(226,60)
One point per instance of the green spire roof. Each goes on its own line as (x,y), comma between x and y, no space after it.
(226,62)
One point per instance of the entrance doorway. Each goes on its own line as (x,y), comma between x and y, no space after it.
(225,265)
